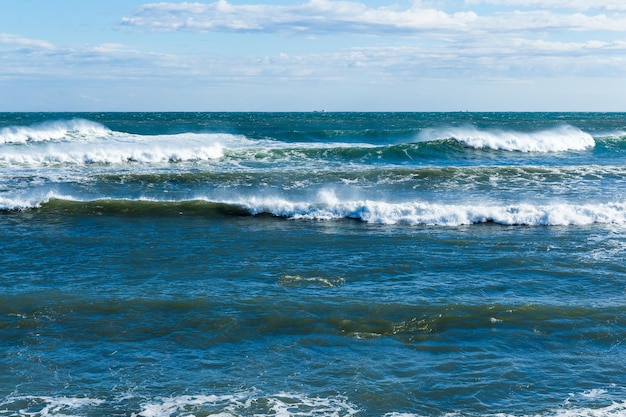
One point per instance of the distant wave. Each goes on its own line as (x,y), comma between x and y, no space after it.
(327,207)
(611,135)
(53,131)
(561,138)
(558,139)
(117,149)
(83,142)
(111,152)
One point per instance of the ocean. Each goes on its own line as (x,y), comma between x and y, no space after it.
(313,264)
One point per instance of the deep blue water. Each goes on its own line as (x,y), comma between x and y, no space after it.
(312,264)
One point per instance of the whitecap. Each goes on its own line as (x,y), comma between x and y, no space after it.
(53,131)
(558,139)
(329,207)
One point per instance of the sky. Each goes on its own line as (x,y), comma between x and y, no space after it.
(305,55)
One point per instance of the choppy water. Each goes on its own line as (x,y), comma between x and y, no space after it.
(312,264)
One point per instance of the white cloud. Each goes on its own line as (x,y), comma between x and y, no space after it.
(28,58)
(554,22)
(8,40)
(318,16)
(326,16)
(497,59)
(609,5)
(487,57)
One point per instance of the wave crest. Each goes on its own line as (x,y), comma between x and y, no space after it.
(328,208)
(558,139)
(437,214)
(53,131)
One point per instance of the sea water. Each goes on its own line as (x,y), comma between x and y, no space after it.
(313,264)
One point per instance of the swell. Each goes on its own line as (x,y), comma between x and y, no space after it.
(177,150)
(295,193)
(50,131)
(327,207)
(83,142)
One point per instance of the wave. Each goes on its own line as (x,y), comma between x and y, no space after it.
(83,142)
(327,207)
(112,152)
(437,214)
(118,149)
(53,131)
(558,139)
(611,135)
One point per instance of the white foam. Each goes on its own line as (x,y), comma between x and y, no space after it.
(117,150)
(280,405)
(53,131)
(81,142)
(558,139)
(329,207)
(31,199)
(184,403)
(49,406)
(123,148)
(252,403)
(326,206)
(616,409)
(21,202)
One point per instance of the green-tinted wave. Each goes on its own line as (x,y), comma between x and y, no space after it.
(142,207)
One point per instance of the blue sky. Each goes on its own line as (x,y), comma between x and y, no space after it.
(301,55)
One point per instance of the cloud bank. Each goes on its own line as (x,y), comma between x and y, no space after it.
(314,16)
(339,17)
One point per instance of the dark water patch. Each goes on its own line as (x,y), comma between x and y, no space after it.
(142,208)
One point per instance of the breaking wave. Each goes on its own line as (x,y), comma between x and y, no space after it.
(54,131)
(439,214)
(328,208)
(83,142)
(558,139)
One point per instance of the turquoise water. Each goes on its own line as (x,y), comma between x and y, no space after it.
(312,264)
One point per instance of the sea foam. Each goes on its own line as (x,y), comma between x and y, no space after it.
(30,405)
(440,214)
(119,149)
(558,139)
(282,404)
(53,131)
(413,213)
